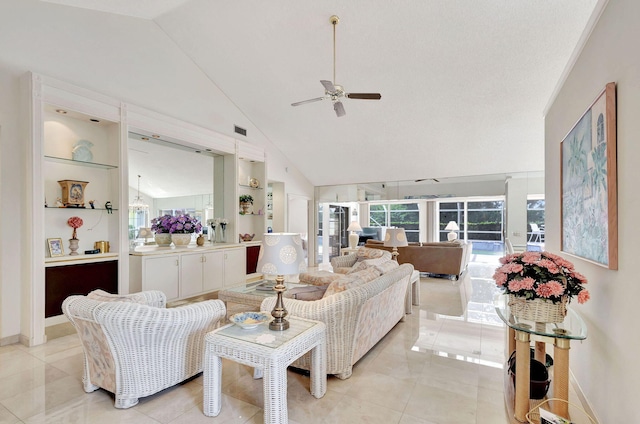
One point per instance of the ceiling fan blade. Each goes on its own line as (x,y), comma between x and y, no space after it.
(365,96)
(339,108)
(328,85)
(317,99)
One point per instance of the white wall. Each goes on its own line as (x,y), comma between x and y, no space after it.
(126,58)
(605,364)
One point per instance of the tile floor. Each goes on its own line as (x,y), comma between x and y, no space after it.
(431,369)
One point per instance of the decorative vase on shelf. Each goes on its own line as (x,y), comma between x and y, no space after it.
(163,239)
(245,207)
(181,239)
(538,310)
(221,234)
(200,240)
(73,246)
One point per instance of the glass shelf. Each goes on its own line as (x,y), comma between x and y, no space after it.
(81,209)
(79,163)
(252,188)
(252,214)
(573,327)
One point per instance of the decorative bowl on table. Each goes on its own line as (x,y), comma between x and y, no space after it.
(249,320)
(246,237)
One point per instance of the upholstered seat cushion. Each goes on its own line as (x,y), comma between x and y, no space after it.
(349,281)
(306,293)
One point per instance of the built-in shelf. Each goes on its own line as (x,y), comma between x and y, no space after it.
(80,259)
(81,209)
(252,188)
(79,162)
(254,214)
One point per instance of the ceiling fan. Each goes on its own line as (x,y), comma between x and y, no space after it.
(333,91)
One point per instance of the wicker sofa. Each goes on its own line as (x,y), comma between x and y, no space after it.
(135,347)
(356,318)
(444,258)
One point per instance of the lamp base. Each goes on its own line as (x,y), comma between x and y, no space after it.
(452,236)
(353,240)
(394,254)
(279,312)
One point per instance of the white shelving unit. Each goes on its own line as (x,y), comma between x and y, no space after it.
(251,166)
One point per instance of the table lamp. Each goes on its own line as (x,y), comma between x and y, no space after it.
(452,227)
(395,237)
(353,237)
(281,254)
(145,233)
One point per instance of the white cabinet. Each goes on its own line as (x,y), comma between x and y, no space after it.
(180,275)
(235,265)
(162,272)
(201,272)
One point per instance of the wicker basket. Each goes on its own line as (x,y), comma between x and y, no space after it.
(538,310)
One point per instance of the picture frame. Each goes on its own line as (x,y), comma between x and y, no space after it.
(588,178)
(55,246)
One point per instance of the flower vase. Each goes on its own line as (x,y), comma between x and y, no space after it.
(163,239)
(200,240)
(181,239)
(73,246)
(212,234)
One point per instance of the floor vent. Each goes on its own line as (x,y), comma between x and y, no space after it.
(240,131)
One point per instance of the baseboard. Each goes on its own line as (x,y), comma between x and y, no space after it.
(583,400)
(10,340)
(58,319)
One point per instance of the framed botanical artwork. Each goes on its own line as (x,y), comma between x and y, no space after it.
(589,201)
(55,247)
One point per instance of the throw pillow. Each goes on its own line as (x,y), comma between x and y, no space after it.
(364,253)
(345,283)
(367,274)
(103,296)
(319,278)
(358,266)
(387,266)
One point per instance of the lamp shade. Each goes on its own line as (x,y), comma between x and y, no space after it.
(395,237)
(145,233)
(354,226)
(281,254)
(452,226)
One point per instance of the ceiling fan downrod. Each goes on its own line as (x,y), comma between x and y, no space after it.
(334,19)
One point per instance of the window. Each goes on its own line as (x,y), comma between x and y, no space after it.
(402,215)
(480,221)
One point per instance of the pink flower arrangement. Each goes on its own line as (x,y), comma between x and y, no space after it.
(540,275)
(75,222)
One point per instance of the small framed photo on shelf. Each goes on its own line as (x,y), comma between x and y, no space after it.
(55,247)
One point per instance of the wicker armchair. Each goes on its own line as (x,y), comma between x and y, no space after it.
(134,346)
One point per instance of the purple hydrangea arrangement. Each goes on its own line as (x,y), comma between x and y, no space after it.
(181,224)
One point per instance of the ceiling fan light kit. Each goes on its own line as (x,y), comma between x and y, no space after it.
(333,91)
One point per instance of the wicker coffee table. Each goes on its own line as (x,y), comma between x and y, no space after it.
(270,353)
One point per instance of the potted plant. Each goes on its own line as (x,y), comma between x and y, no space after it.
(246,200)
(174,226)
(539,285)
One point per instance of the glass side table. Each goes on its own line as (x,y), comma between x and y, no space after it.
(521,333)
(250,294)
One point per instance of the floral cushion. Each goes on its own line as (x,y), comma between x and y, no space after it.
(103,296)
(387,266)
(364,253)
(342,270)
(318,278)
(353,280)
(358,266)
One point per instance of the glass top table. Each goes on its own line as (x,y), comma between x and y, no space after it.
(521,333)
(573,327)
(253,293)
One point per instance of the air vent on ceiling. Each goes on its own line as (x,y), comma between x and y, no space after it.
(240,131)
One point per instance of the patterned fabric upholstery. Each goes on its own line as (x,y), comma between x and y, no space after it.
(306,293)
(364,253)
(133,349)
(356,319)
(387,266)
(318,278)
(350,281)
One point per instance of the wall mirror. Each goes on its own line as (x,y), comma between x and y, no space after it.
(168,176)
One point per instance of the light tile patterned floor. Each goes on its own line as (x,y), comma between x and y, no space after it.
(431,369)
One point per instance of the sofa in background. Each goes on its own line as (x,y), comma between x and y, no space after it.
(444,258)
(356,318)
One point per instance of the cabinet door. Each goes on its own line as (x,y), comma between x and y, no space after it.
(235,265)
(191,274)
(213,271)
(162,273)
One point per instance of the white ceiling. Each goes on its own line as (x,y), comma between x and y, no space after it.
(464,84)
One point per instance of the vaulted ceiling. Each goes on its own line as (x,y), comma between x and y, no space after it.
(464,84)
